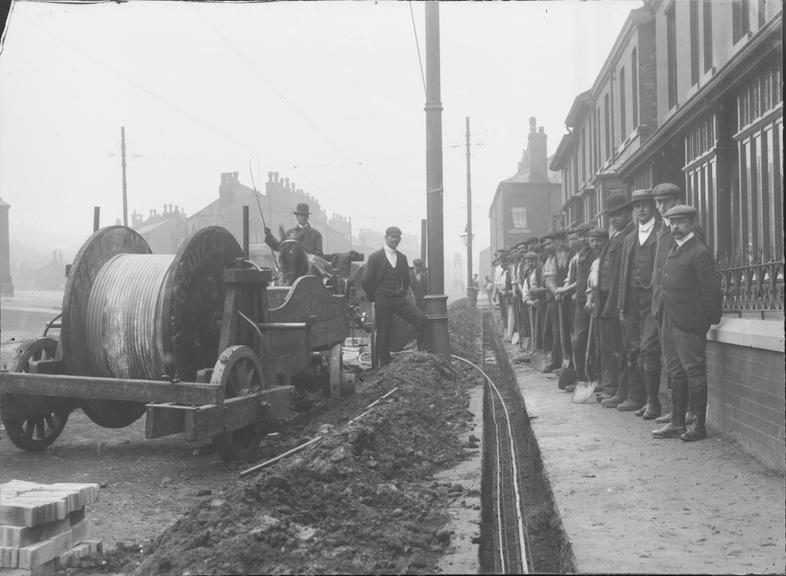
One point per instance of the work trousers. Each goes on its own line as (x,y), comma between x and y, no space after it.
(579,338)
(384,309)
(685,358)
(642,347)
(612,351)
(554,344)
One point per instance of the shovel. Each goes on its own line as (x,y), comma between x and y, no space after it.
(585,389)
(567,375)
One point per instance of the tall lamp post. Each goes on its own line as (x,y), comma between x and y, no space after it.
(437,340)
(472,290)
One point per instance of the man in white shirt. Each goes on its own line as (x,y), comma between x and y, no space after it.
(642,345)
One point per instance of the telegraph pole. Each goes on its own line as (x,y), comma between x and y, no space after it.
(123,155)
(472,293)
(436,302)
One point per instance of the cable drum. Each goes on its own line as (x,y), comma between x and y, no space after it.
(131,314)
(124,317)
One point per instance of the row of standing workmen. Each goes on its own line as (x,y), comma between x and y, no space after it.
(646,289)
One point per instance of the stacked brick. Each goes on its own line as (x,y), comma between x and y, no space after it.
(43,526)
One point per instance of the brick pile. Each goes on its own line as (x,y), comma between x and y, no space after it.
(43,527)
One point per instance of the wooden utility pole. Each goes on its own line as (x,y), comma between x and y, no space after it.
(437,340)
(123,155)
(472,292)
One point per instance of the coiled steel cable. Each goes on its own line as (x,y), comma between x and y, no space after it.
(124,333)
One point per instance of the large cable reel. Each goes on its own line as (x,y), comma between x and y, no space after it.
(131,314)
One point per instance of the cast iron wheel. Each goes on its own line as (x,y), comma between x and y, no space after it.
(33,422)
(239,372)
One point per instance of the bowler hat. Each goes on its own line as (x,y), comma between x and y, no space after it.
(666,189)
(616,202)
(599,233)
(393,230)
(643,194)
(681,210)
(302,208)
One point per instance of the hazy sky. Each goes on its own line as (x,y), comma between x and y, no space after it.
(327,94)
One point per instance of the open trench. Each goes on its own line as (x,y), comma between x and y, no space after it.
(545,546)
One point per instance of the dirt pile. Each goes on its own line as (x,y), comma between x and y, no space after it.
(362,500)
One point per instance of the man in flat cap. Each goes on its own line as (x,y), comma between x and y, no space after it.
(690,303)
(614,384)
(666,195)
(576,286)
(385,282)
(418,281)
(310,238)
(642,346)
(555,270)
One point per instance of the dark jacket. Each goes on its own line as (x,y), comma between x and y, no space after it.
(627,254)
(691,294)
(666,241)
(375,269)
(310,239)
(613,248)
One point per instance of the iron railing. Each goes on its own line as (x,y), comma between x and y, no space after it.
(752,287)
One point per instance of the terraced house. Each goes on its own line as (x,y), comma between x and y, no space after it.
(691,93)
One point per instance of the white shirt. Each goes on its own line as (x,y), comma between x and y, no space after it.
(685,239)
(592,279)
(644,230)
(391,255)
(499,278)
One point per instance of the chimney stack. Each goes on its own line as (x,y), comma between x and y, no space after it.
(536,150)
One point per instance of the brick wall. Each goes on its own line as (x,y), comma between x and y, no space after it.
(746,399)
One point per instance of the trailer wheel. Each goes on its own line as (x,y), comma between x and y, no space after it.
(238,371)
(33,422)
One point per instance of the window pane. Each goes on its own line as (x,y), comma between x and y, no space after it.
(742,248)
(762,201)
(711,206)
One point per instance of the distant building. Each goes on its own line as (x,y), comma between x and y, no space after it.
(6,285)
(163,232)
(528,203)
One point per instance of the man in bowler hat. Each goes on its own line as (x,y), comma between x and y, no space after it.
(303,232)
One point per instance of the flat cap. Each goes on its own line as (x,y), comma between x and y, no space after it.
(530,255)
(581,229)
(681,210)
(666,189)
(599,233)
(640,195)
(392,230)
(417,261)
(616,202)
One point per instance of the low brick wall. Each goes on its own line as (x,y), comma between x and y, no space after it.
(746,399)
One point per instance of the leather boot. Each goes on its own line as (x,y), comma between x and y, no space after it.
(636,395)
(663,419)
(619,396)
(652,384)
(697,430)
(676,427)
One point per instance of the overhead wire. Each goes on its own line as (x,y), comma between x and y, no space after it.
(140,87)
(289,103)
(417,45)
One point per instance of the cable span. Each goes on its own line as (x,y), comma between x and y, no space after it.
(520,521)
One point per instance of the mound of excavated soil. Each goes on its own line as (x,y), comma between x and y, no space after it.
(362,500)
